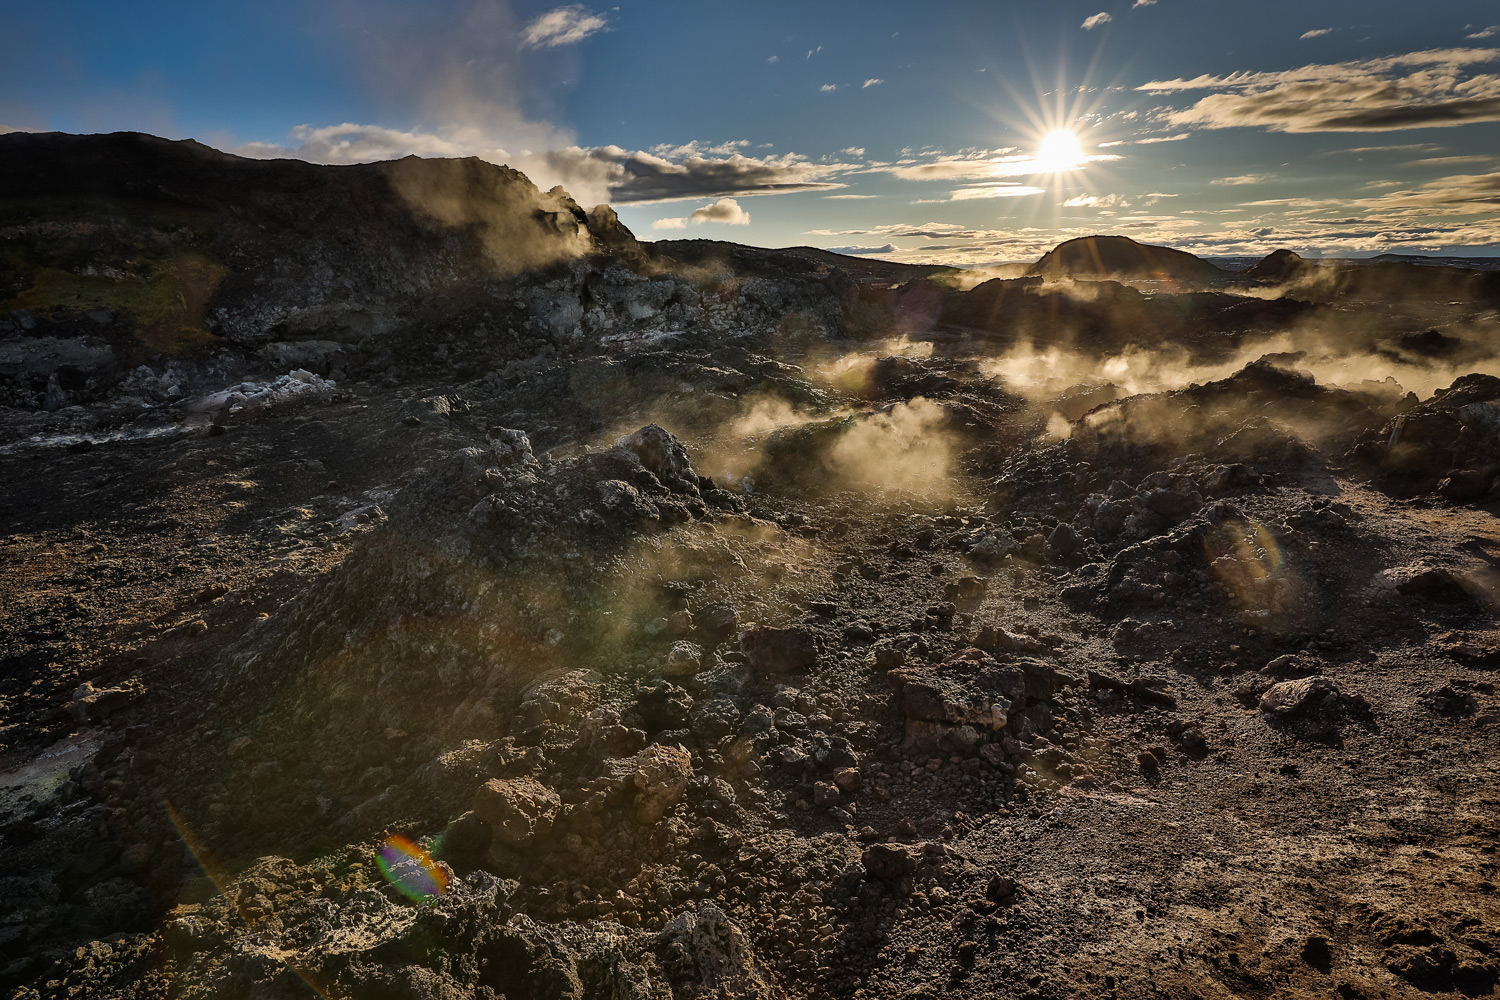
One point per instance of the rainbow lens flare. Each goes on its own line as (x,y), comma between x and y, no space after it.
(407,866)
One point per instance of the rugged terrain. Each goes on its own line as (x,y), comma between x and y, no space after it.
(413,585)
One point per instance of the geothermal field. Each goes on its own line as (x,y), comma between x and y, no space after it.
(415,585)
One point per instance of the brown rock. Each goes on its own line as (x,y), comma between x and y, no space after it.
(660,775)
(777,650)
(517,810)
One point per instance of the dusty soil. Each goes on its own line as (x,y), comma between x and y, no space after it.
(1352,853)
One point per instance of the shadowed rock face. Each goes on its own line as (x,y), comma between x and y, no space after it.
(271,247)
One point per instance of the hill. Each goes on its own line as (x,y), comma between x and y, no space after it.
(1092,257)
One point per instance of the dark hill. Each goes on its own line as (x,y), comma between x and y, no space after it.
(747,260)
(1092,257)
(1278,265)
(252,249)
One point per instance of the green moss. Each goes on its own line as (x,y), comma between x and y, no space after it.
(166,303)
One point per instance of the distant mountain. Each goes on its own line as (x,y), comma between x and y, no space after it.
(1421,260)
(1386,277)
(747,260)
(1093,257)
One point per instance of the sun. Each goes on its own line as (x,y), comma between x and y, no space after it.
(1059,150)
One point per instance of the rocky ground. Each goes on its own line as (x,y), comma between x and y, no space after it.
(681,621)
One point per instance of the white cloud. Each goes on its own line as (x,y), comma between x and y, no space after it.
(1314,33)
(773,59)
(994,191)
(1143,3)
(1096,201)
(1090,23)
(1413,90)
(828,87)
(853,151)
(1242,179)
(725,210)
(562,26)
(1489,32)
(850,197)
(872,81)
(979,167)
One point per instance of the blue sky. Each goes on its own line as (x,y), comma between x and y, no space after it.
(907,129)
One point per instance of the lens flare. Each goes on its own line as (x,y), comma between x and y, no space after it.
(407,866)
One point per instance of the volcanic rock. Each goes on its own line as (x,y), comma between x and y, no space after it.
(779,650)
(660,775)
(517,810)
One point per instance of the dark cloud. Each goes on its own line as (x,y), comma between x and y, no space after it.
(635,176)
(1427,89)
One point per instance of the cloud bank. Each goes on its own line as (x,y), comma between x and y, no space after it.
(1425,89)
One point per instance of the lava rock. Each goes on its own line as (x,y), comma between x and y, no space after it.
(660,775)
(1299,697)
(779,650)
(517,810)
(888,862)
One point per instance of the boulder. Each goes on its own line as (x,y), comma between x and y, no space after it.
(1300,697)
(663,456)
(888,862)
(660,775)
(779,650)
(684,659)
(517,810)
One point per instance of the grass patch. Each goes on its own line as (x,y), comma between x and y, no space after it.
(166,304)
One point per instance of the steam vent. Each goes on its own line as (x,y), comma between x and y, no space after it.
(416,582)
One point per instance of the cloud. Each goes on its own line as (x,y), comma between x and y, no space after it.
(634,176)
(1413,90)
(853,151)
(1489,32)
(1460,194)
(994,191)
(925,230)
(725,210)
(1162,138)
(855,251)
(1314,33)
(1143,3)
(1403,148)
(1090,23)
(773,59)
(1096,201)
(1441,161)
(1242,179)
(872,81)
(979,167)
(827,87)
(562,26)
(850,197)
